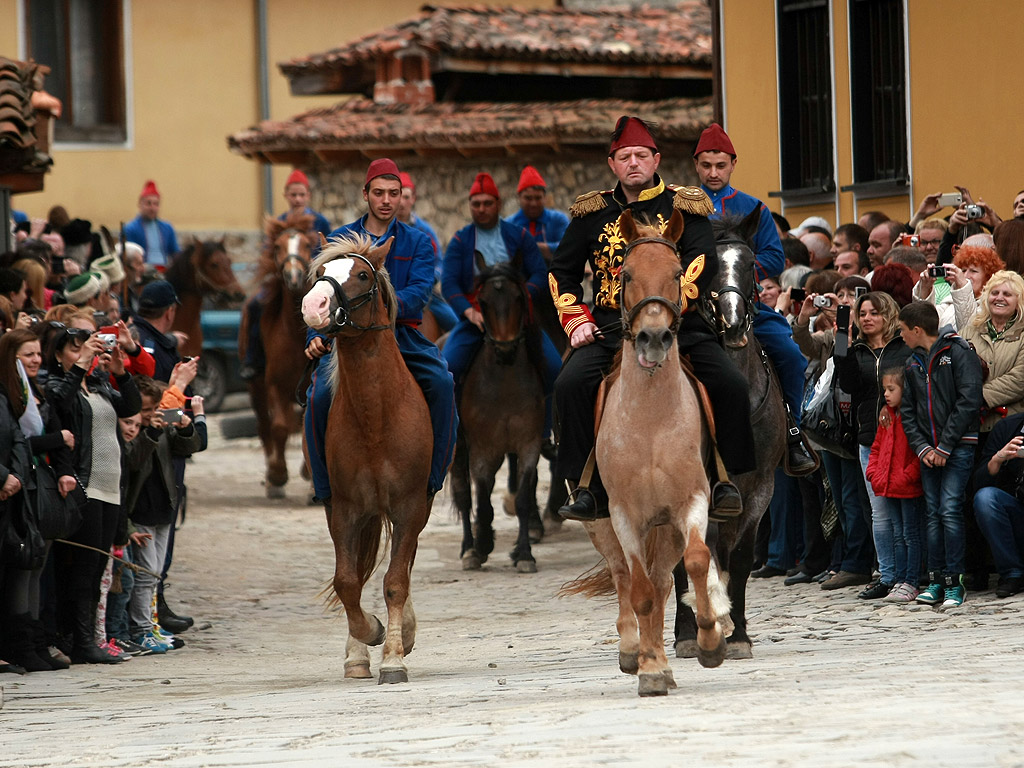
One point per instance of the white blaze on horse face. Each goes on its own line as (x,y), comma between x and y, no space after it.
(732,308)
(316,304)
(293,245)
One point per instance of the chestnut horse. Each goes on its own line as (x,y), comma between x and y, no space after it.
(281,282)
(378,446)
(201,271)
(501,410)
(736,288)
(650,447)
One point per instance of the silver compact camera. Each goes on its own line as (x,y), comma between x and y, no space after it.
(822,302)
(974,212)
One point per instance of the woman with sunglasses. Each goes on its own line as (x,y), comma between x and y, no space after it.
(80,366)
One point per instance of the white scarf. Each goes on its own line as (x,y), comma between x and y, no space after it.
(31,422)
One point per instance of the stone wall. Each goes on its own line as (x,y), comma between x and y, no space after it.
(442,188)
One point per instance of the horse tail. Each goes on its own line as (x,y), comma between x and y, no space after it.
(597,582)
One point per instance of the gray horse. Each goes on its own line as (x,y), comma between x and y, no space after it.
(733,541)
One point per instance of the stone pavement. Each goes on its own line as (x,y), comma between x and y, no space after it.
(505,672)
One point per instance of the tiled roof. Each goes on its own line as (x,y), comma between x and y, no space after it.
(360,125)
(665,36)
(21,97)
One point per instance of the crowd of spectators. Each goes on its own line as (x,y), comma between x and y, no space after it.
(95,422)
(916,414)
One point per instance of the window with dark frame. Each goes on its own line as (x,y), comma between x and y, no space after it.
(82,42)
(878,92)
(805,97)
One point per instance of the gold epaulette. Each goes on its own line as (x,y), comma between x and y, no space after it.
(588,203)
(692,200)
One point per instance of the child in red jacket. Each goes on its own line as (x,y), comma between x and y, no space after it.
(894,471)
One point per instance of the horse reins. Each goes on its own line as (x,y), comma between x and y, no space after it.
(342,316)
(675,307)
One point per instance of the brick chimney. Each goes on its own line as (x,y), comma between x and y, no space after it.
(403,77)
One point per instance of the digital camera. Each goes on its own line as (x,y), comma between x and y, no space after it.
(910,240)
(822,301)
(974,212)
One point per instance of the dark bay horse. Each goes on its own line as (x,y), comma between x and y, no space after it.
(201,271)
(281,282)
(651,446)
(501,410)
(736,288)
(378,446)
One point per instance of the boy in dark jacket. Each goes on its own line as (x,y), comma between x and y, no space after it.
(941,406)
(152,498)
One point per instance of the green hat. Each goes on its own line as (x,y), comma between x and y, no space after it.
(111,267)
(81,288)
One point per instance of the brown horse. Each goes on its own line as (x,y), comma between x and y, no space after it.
(378,447)
(282,282)
(201,271)
(501,410)
(650,448)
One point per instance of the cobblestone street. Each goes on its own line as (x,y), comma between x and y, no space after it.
(504,672)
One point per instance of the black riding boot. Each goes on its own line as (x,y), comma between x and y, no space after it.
(169,620)
(587,505)
(85,650)
(798,461)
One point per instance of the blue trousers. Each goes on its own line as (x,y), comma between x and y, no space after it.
(785,511)
(428,368)
(1001,519)
(776,338)
(844,475)
(464,342)
(944,491)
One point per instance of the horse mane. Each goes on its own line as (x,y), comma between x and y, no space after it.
(180,272)
(727,229)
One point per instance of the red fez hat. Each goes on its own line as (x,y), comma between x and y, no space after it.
(632,133)
(407,182)
(297,177)
(483,184)
(530,177)
(383,166)
(149,190)
(714,139)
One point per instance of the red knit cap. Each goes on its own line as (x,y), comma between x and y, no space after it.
(634,134)
(407,182)
(383,166)
(714,139)
(297,177)
(149,190)
(483,184)
(530,177)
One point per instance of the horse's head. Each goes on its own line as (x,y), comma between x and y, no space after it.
(211,266)
(290,245)
(501,294)
(651,288)
(736,282)
(351,292)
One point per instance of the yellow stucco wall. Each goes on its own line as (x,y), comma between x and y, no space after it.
(194,71)
(963,120)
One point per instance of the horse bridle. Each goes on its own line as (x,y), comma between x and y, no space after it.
(342,316)
(505,347)
(750,308)
(675,307)
(293,257)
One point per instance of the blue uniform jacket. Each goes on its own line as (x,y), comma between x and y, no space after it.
(457,279)
(729,201)
(320,224)
(410,264)
(550,226)
(134,233)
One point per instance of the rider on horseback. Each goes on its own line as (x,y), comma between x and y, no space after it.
(593,236)
(496,241)
(715,160)
(410,265)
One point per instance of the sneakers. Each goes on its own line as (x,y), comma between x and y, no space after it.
(150,642)
(954,592)
(172,641)
(901,593)
(933,594)
(876,590)
(112,649)
(132,649)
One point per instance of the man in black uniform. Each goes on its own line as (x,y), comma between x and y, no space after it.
(595,337)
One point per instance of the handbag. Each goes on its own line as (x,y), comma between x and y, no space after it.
(56,516)
(827,421)
(21,545)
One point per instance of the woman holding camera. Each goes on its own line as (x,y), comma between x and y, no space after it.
(878,348)
(956,297)
(80,366)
